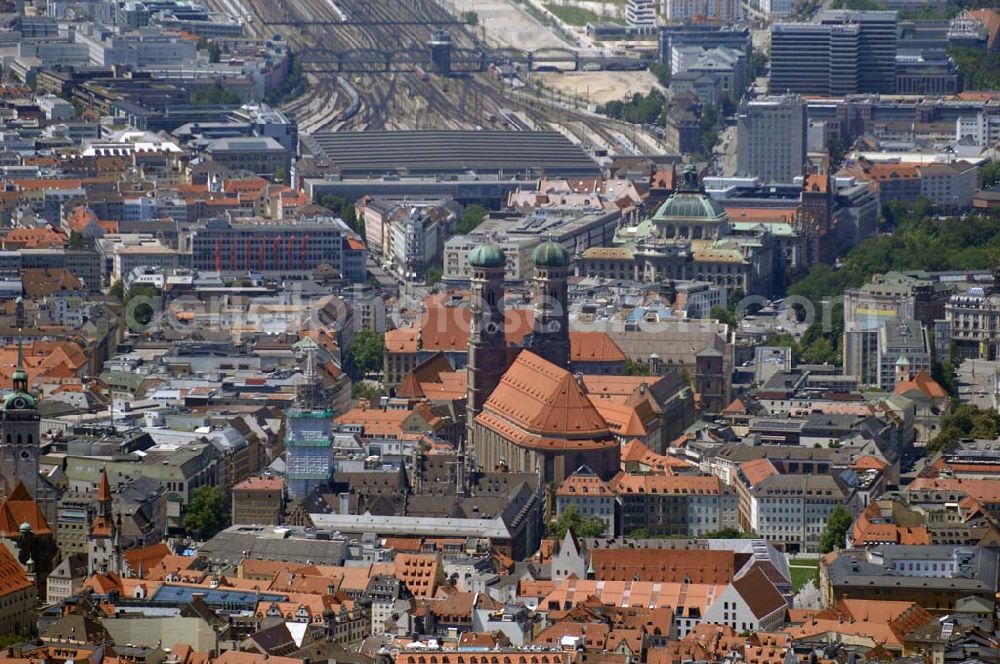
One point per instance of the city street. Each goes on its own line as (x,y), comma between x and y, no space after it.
(977,380)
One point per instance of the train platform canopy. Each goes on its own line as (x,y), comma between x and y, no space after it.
(491,155)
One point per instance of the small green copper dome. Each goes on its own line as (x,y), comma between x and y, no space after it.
(487,255)
(550,254)
(19,401)
(25,527)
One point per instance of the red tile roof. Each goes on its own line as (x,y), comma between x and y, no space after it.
(579,484)
(634,483)
(420,572)
(594,347)
(18,508)
(664,565)
(924,383)
(402,340)
(261,484)
(545,400)
(12,576)
(986,491)
(758,470)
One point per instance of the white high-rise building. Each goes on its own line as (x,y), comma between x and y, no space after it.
(641,14)
(683,11)
(771,138)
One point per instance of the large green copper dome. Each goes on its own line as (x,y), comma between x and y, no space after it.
(487,255)
(690,205)
(550,254)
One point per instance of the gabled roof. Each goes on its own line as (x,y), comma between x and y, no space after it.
(639,483)
(758,470)
(544,399)
(664,565)
(762,598)
(18,508)
(435,370)
(584,482)
(923,383)
(146,558)
(402,340)
(737,407)
(635,451)
(12,576)
(419,571)
(594,347)
(884,622)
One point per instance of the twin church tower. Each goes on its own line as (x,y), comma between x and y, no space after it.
(549,339)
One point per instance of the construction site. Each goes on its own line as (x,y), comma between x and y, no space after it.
(412,64)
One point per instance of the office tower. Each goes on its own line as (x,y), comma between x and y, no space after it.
(640,14)
(808,58)
(877,62)
(703,36)
(776,8)
(843,52)
(771,135)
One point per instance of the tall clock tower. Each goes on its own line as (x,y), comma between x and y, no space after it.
(19,427)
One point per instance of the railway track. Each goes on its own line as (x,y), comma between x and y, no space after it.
(400,100)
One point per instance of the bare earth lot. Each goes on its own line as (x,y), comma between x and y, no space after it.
(599,87)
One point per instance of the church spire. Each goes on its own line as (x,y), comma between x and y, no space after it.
(20,376)
(103,488)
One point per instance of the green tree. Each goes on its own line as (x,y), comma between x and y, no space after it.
(944,374)
(214,52)
(821,351)
(294,84)
(710,121)
(728,533)
(281,176)
(758,64)
(76,240)
(472,216)
(470,18)
(636,368)
(637,109)
(787,340)
(118,290)
(141,304)
(206,513)
(434,275)
(661,70)
(723,315)
(835,534)
(571,519)
(363,390)
(216,95)
(640,533)
(837,149)
(365,353)
(980,70)
(344,208)
(965,421)
(990,174)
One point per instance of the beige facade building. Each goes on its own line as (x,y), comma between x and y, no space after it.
(259,501)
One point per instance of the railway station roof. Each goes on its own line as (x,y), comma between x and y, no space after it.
(452,152)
